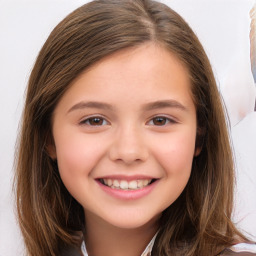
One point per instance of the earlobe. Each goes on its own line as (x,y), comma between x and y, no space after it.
(51,151)
(197,151)
(50,148)
(199,141)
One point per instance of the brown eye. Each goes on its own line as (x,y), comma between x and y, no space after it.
(94,121)
(159,121)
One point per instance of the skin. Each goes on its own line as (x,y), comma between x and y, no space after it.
(126,140)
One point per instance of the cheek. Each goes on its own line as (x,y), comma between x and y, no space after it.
(175,153)
(76,156)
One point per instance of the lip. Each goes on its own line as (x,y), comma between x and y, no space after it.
(128,194)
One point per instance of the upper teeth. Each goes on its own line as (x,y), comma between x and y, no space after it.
(123,184)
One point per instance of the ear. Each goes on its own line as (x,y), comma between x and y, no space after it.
(199,141)
(197,151)
(50,147)
(51,151)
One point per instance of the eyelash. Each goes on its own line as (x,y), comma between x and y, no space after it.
(98,118)
(102,121)
(167,120)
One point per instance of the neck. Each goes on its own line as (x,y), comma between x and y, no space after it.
(104,239)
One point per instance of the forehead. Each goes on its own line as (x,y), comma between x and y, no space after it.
(147,56)
(147,72)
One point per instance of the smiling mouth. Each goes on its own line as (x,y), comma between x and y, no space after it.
(127,185)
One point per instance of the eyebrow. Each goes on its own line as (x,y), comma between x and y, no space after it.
(90,104)
(164,104)
(146,107)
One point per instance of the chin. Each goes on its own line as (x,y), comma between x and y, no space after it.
(133,221)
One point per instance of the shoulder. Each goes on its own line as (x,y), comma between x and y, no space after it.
(242,249)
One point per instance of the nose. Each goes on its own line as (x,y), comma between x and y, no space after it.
(129,146)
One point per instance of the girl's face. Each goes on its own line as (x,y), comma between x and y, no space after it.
(125,135)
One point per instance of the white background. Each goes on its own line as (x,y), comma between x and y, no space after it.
(221,25)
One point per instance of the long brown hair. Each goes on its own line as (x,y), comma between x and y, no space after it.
(198,222)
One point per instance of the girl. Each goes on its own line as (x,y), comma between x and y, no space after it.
(124,148)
